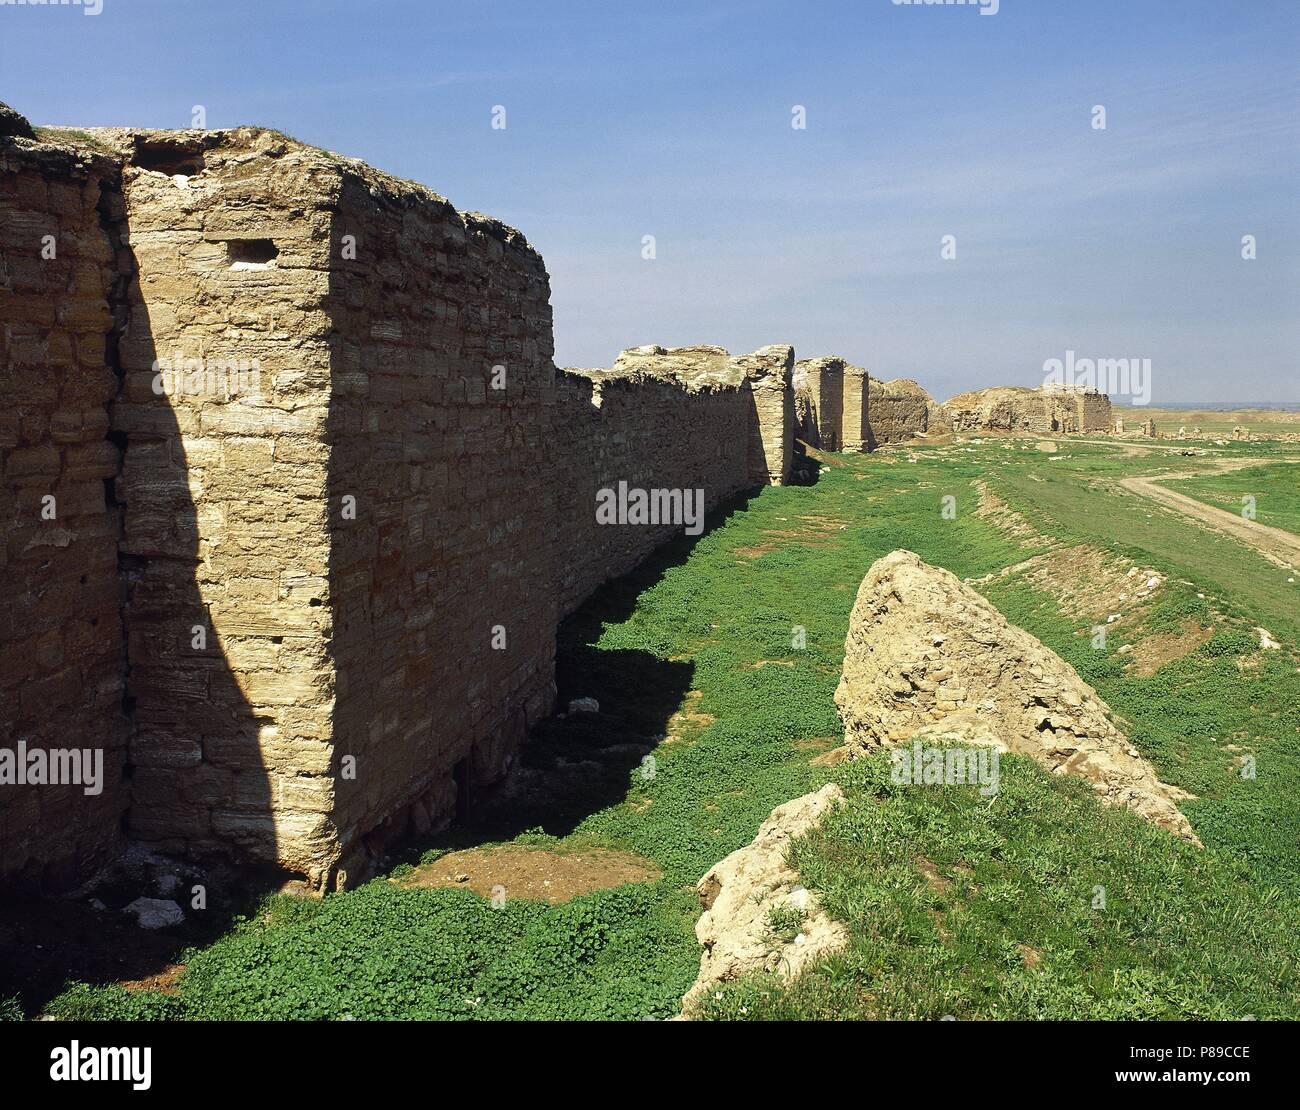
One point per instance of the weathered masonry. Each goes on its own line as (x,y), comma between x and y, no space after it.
(61,647)
(318,495)
(679,419)
(819,401)
(1037,411)
(294,496)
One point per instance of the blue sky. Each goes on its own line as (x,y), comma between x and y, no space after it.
(627,119)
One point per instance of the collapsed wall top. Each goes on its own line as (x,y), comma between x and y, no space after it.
(767,374)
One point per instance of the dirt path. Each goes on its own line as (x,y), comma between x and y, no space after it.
(1275,544)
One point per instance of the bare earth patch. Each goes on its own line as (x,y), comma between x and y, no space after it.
(537,874)
(1089,582)
(815,530)
(164,982)
(1153,652)
(933,878)
(688,719)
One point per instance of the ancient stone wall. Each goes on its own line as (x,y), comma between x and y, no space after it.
(1095,412)
(767,375)
(61,657)
(223,416)
(855,425)
(898,411)
(443,586)
(326,496)
(676,430)
(1032,411)
(822,381)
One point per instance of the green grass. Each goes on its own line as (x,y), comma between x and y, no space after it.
(1079,500)
(71,136)
(1046,906)
(1186,932)
(1275,488)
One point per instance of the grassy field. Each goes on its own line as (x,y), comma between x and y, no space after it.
(1275,490)
(1035,903)
(1213,423)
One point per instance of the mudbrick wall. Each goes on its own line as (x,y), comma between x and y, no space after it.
(61,645)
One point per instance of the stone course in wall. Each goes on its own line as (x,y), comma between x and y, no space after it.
(767,376)
(855,416)
(444,599)
(61,665)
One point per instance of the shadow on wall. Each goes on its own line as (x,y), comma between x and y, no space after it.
(579,764)
(196,776)
(194,782)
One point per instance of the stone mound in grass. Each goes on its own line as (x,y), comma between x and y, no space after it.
(740,894)
(926,654)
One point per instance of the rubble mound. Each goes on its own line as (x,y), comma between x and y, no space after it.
(924,648)
(739,928)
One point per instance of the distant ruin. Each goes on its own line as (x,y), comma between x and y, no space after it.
(1052,409)
(306,611)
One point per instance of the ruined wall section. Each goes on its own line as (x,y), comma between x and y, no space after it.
(443,586)
(1095,413)
(652,430)
(226,547)
(1020,409)
(899,411)
(61,657)
(855,423)
(821,380)
(767,374)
